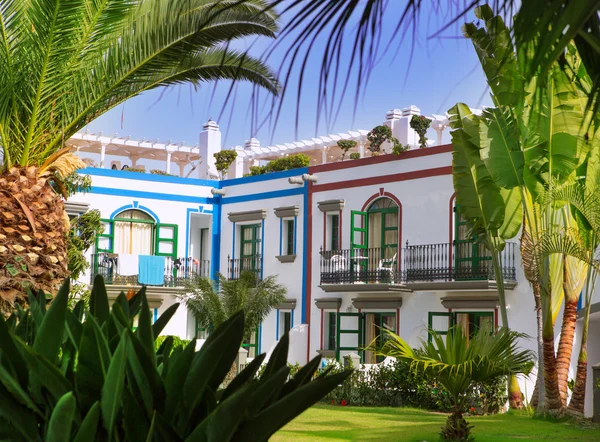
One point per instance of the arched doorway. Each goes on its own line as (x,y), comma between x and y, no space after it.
(383,227)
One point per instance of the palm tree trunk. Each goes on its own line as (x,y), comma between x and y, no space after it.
(577,402)
(539,392)
(552,402)
(565,347)
(33,234)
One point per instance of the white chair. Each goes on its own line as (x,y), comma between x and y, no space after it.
(338,263)
(387,266)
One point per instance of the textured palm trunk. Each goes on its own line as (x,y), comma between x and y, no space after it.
(577,402)
(565,347)
(552,402)
(33,232)
(539,392)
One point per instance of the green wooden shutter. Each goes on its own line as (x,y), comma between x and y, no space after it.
(165,240)
(438,314)
(359,242)
(357,335)
(105,242)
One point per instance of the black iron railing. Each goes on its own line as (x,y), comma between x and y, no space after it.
(375,265)
(177,270)
(419,263)
(465,261)
(237,266)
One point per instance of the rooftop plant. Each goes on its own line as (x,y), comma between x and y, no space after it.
(223,160)
(420,124)
(280,164)
(346,145)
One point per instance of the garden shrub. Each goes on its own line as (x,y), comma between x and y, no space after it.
(223,160)
(177,341)
(420,124)
(158,172)
(354,156)
(280,164)
(394,384)
(134,169)
(346,145)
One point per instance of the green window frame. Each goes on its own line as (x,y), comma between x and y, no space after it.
(159,240)
(290,237)
(474,320)
(331,329)
(250,234)
(108,234)
(359,332)
(287,322)
(335,232)
(430,323)
(253,348)
(469,252)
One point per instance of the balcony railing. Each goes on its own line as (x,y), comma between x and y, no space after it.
(177,270)
(251,264)
(373,265)
(467,261)
(419,263)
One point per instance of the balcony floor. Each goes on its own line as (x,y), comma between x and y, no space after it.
(361,287)
(446,286)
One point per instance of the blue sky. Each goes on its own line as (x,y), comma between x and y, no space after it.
(442,72)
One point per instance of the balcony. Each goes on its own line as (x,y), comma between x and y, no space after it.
(359,270)
(251,264)
(176,271)
(464,266)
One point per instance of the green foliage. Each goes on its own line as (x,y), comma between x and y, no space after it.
(394,384)
(76,183)
(176,342)
(79,292)
(84,230)
(83,375)
(213,303)
(458,362)
(399,148)
(420,124)
(379,135)
(355,156)
(160,172)
(346,145)
(280,164)
(224,159)
(63,64)
(135,169)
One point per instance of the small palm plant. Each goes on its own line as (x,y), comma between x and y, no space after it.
(459,362)
(212,304)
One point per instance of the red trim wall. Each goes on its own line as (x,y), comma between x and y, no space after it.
(404,176)
(381,159)
(308,257)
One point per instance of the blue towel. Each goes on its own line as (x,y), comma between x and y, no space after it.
(151,270)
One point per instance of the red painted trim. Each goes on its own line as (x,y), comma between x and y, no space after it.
(383,194)
(495,318)
(322,341)
(398,321)
(381,159)
(308,257)
(451,231)
(405,176)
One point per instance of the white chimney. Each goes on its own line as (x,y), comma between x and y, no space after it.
(210,142)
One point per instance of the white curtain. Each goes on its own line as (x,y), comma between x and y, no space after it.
(133,238)
(375,230)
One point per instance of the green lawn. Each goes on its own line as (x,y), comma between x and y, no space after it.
(328,423)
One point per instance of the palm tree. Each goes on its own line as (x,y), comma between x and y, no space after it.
(64,63)
(458,362)
(212,302)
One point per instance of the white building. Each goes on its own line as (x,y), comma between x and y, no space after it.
(360,244)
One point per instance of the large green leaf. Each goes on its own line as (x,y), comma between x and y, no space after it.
(99,300)
(163,319)
(112,389)
(89,425)
(50,333)
(22,419)
(12,359)
(477,196)
(144,329)
(61,420)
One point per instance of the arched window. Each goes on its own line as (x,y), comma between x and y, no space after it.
(134,233)
(383,227)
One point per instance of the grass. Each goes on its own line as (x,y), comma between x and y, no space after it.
(328,423)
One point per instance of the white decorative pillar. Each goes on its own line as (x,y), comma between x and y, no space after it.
(324,155)
(134,159)
(399,122)
(210,142)
(236,170)
(361,148)
(102,155)
(168,168)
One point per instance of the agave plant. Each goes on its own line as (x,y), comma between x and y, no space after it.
(458,362)
(63,64)
(77,375)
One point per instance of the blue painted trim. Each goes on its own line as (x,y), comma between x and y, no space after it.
(265,177)
(304,250)
(262,250)
(277,327)
(280,236)
(580,302)
(135,206)
(215,262)
(151,195)
(292,322)
(155,315)
(139,176)
(233,242)
(295,232)
(262,196)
